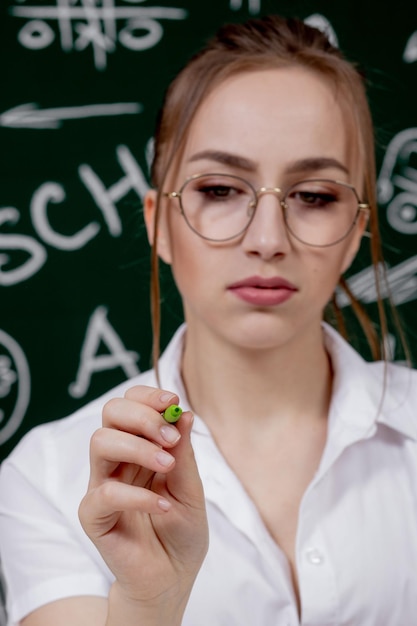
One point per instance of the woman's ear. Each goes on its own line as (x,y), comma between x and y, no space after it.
(158,236)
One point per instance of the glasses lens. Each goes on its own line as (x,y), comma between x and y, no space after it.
(217,206)
(320,212)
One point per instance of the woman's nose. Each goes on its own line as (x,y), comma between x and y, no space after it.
(267,235)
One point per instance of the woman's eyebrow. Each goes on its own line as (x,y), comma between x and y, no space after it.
(299,166)
(225,158)
(316,163)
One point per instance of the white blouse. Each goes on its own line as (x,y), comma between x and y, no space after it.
(356,546)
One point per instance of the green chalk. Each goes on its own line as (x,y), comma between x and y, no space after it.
(172,413)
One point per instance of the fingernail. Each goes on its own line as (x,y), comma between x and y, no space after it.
(164,504)
(164,458)
(166,396)
(170,434)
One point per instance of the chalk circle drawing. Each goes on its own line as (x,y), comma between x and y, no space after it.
(101,25)
(397,182)
(36,35)
(15,385)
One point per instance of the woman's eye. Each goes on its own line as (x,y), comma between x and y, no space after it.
(217,192)
(314,199)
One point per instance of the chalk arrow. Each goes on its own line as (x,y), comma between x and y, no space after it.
(31,116)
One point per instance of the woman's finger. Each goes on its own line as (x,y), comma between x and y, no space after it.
(158,399)
(139,419)
(109,448)
(183,481)
(101,507)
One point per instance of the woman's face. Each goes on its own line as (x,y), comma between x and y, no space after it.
(273,128)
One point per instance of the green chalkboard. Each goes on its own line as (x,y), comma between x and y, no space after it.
(81,83)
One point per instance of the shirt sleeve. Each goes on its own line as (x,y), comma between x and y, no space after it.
(44,553)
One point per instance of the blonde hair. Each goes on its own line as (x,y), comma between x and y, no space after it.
(270,42)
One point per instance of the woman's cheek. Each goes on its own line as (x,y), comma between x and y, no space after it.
(326,272)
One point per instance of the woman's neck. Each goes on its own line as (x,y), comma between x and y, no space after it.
(229,386)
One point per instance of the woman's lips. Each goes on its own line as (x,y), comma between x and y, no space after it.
(263,291)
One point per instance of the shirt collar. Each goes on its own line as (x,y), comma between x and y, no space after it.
(170,375)
(364,394)
(367,394)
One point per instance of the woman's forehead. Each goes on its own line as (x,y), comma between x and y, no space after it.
(285,114)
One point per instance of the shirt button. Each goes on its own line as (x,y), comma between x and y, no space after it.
(314,556)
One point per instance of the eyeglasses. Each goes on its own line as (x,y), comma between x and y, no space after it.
(317,212)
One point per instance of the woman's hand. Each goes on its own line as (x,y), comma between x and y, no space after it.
(144,508)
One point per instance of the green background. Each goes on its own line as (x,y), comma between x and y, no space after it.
(46,315)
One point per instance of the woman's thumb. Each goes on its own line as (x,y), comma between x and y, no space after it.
(184,480)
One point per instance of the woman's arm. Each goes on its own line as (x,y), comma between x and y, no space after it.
(94,611)
(78,611)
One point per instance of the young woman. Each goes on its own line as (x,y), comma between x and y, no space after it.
(290,497)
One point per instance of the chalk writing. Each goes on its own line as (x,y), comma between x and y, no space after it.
(402,287)
(14,377)
(316,19)
(99,330)
(100,24)
(319,21)
(106,198)
(150,153)
(410,50)
(397,182)
(31,116)
(402,280)
(53,193)
(37,253)
(254,6)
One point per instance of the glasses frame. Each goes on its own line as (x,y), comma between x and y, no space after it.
(363,207)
